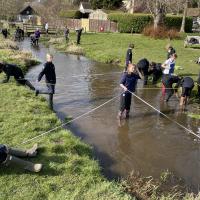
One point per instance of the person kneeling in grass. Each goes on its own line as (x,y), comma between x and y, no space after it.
(12,156)
(128,84)
(14,70)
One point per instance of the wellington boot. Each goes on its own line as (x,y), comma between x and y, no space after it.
(21,153)
(23,164)
(32,152)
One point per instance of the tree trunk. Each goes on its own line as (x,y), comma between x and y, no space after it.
(159,15)
(132,6)
(184,17)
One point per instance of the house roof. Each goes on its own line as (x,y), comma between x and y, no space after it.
(85,7)
(36,6)
(193,12)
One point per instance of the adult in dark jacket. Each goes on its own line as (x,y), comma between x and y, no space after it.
(14,156)
(143,66)
(14,70)
(50,76)
(79,33)
(129,55)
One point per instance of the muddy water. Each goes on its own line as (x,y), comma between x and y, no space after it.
(147,142)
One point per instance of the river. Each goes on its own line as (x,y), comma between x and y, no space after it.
(147,142)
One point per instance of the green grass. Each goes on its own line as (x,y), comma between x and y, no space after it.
(69,172)
(111,47)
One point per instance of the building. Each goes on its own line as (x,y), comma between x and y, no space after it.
(29,14)
(99,15)
(85,8)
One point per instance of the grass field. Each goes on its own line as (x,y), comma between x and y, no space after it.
(111,48)
(69,169)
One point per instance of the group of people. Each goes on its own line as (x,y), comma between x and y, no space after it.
(78,34)
(48,70)
(143,69)
(132,72)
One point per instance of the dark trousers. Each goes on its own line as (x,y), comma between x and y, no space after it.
(78,39)
(27,83)
(125,101)
(199,91)
(156,77)
(50,92)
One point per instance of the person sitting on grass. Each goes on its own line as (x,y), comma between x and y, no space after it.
(12,156)
(50,75)
(187,84)
(129,55)
(14,70)
(128,84)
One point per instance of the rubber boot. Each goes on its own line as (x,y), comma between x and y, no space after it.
(29,166)
(20,153)
(30,85)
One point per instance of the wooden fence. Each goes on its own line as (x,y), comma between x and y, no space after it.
(93,25)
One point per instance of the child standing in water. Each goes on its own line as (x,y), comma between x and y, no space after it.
(128,84)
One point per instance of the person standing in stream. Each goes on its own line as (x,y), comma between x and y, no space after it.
(128,84)
(50,76)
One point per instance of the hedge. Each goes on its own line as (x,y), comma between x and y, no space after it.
(135,23)
(176,21)
(73,14)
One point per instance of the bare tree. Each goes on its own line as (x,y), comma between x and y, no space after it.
(158,9)
(131,6)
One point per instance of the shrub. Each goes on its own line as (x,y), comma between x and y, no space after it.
(73,14)
(128,23)
(176,21)
(161,32)
(136,23)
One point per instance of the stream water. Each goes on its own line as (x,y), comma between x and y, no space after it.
(147,142)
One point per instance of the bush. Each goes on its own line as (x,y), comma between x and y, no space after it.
(136,23)
(73,14)
(176,21)
(128,23)
(161,32)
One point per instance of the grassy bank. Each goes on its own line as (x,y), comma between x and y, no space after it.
(69,170)
(111,48)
